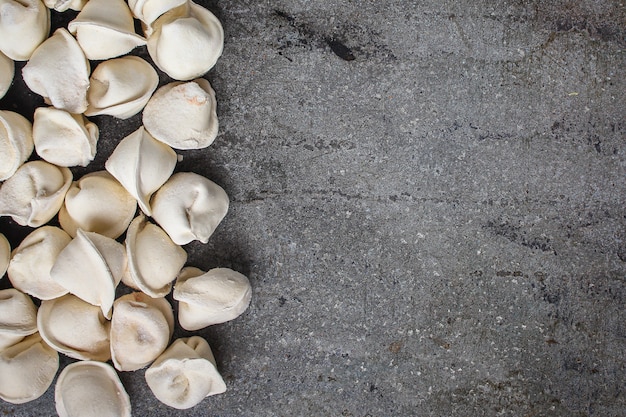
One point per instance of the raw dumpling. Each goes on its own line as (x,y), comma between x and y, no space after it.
(32,260)
(18,317)
(97,202)
(183,115)
(149,10)
(189,207)
(24,25)
(27,370)
(186,42)
(63,5)
(90,267)
(154,260)
(141,329)
(121,87)
(35,193)
(5,254)
(7,71)
(16,142)
(210,298)
(185,374)
(91,389)
(75,328)
(142,165)
(59,71)
(105,29)
(63,138)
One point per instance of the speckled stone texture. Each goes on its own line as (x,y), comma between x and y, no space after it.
(429,200)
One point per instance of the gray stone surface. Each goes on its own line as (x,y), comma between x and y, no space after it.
(429,200)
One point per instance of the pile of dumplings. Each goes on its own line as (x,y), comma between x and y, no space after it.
(76,268)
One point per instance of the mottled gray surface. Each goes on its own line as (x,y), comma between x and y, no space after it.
(429,200)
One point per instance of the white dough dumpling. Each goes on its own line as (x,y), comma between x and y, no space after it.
(183,115)
(142,165)
(105,29)
(75,328)
(189,207)
(18,317)
(97,202)
(7,71)
(59,72)
(141,329)
(16,142)
(27,369)
(213,297)
(63,138)
(154,261)
(186,42)
(121,87)
(185,374)
(35,193)
(90,267)
(32,260)
(91,389)
(24,25)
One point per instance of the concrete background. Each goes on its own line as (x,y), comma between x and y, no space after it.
(429,200)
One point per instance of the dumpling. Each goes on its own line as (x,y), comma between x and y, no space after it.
(27,369)
(183,115)
(63,138)
(35,193)
(141,328)
(18,317)
(149,10)
(63,5)
(189,207)
(105,29)
(154,260)
(24,25)
(90,267)
(97,202)
(207,298)
(121,87)
(185,374)
(142,165)
(91,389)
(5,254)
(32,260)
(16,142)
(59,71)
(75,328)
(186,42)
(7,71)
